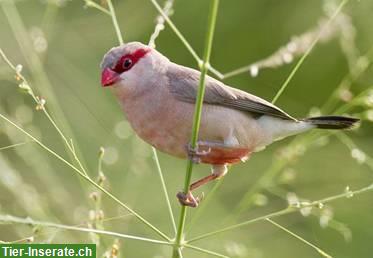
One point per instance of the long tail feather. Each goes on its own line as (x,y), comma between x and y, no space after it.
(332,122)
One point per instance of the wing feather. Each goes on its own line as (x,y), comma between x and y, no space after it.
(184,83)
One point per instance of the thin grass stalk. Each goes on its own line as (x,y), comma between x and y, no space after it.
(362,64)
(323,253)
(155,156)
(359,67)
(90,3)
(177,32)
(205,251)
(115,22)
(184,41)
(81,173)
(203,205)
(301,60)
(164,188)
(14,145)
(290,209)
(41,79)
(167,9)
(346,140)
(197,118)
(28,221)
(69,144)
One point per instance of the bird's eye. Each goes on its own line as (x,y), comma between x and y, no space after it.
(127,63)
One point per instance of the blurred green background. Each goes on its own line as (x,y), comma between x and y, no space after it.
(60,45)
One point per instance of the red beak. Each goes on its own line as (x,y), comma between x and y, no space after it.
(109,77)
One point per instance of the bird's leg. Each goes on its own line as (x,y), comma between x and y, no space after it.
(218,153)
(188,199)
(196,154)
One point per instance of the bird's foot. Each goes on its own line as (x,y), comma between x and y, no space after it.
(187,199)
(196,154)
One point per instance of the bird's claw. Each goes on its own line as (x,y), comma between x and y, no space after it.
(187,199)
(195,154)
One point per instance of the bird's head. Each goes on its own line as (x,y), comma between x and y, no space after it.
(131,66)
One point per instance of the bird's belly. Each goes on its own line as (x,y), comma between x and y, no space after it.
(169,130)
(164,139)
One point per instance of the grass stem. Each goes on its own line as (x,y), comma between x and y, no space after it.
(81,173)
(197,117)
(13,145)
(28,221)
(202,250)
(90,3)
(159,170)
(323,253)
(301,60)
(291,209)
(115,22)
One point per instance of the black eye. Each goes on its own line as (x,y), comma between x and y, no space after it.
(127,63)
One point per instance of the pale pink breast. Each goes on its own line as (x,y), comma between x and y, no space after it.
(166,124)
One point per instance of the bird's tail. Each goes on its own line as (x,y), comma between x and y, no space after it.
(332,122)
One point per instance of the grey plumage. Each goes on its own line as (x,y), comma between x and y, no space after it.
(183,85)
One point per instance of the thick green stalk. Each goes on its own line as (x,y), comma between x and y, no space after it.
(197,118)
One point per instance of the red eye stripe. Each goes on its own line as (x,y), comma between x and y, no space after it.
(134,57)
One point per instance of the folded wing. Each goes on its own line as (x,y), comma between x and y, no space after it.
(184,85)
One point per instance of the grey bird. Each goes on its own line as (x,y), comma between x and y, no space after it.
(158,98)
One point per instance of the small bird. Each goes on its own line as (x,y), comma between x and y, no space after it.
(158,98)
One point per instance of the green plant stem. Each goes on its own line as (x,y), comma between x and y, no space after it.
(38,73)
(346,140)
(90,3)
(242,224)
(115,22)
(176,31)
(28,221)
(202,207)
(323,253)
(301,60)
(305,140)
(159,170)
(276,167)
(360,66)
(18,241)
(13,145)
(167,10)
(197,118)
(288,210)
(155,156)
(68,144)
(81,173)
(183,40)
(202,250)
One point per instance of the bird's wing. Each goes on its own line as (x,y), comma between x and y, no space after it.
(184,82)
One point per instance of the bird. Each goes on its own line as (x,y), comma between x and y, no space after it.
(158,98)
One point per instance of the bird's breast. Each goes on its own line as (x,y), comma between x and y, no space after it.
(161,122)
